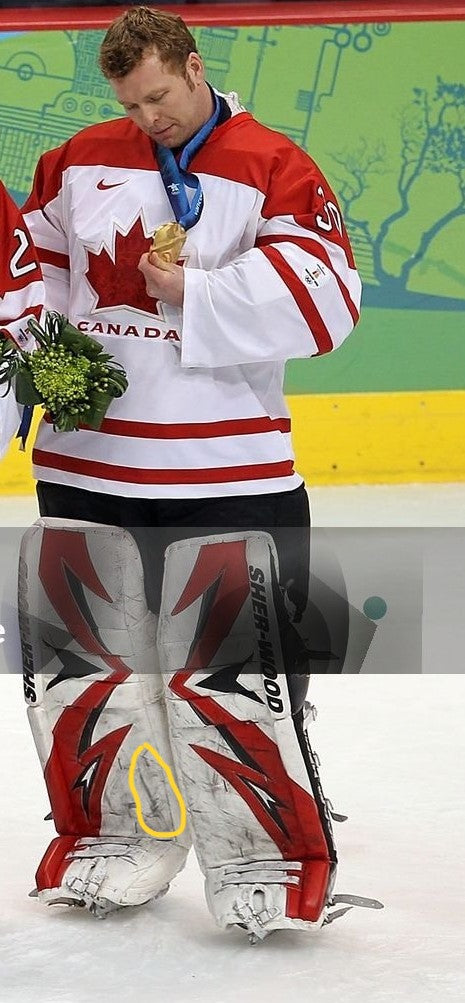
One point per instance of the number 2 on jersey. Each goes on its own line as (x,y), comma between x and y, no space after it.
(17,268)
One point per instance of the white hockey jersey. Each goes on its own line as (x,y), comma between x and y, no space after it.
(269,275)
(21,297)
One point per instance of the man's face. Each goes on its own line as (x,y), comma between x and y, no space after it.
(167,106)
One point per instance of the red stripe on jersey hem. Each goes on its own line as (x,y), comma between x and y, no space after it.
(137,475)
(302,298)
(307,244)
(47,257)
(189,430)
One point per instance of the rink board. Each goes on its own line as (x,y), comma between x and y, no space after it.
(391,600)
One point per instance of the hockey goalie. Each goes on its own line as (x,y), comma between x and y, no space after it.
(211,685)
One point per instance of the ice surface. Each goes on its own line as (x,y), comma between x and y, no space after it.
(392,752)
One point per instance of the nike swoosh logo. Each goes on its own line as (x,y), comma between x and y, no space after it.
(102,187)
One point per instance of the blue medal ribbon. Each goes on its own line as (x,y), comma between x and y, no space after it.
(176,178)
(25,425)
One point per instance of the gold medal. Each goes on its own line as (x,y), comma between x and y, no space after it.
(168,241)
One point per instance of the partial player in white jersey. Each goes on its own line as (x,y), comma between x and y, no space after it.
(253,268)
(21,297)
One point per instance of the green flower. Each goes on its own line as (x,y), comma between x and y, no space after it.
(69,375)
(60,377)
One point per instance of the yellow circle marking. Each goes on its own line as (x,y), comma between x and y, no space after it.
(174,788)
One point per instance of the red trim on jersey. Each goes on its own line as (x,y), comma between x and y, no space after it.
(138,475)
(302,298)
(189,430)
(307,244)
(48,257)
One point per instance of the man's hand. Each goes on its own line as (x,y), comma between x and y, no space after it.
(164,281)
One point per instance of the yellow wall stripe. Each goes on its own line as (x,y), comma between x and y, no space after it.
(15,468)
(377,438)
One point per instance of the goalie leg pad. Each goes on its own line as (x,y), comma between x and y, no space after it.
(260,823)
(95,694)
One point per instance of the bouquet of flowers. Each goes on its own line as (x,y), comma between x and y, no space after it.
(69,374)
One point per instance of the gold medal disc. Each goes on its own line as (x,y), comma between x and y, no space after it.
(168,241)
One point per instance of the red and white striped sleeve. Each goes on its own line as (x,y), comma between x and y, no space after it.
(44,216)
(21,288)
(295,294)
(21,298)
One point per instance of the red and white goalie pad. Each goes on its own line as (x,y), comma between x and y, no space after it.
(95,695)
(260,823)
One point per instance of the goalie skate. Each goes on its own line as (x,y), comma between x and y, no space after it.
(106,874)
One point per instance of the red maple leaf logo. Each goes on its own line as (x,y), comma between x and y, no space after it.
(117,282)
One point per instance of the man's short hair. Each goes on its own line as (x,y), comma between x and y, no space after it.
(137,32)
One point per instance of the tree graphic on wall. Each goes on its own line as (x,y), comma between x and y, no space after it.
(358,165)
(432,135)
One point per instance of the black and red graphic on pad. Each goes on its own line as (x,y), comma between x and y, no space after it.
(286,811)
